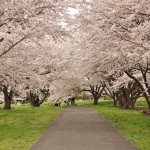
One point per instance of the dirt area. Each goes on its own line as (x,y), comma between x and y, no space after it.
(145,110)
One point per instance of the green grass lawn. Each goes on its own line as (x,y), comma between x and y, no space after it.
(21,126)
(133,124)
(141,102)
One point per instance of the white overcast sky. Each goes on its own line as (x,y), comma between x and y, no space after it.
(72,11)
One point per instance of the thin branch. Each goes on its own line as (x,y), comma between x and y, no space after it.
(13,46)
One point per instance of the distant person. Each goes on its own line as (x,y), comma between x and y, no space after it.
(73,101)
(57,103)
(67,102)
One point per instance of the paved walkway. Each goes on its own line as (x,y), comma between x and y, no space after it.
(80,128)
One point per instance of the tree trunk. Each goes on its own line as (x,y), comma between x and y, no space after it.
(7,97)
(35,103)
(34,99)
(131,104)
(7,104)
(96,91)
(148,102)
(141,87)
(115,103)
(95,100)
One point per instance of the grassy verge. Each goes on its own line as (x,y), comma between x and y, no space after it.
(141,102)
(22,125)
(133,124)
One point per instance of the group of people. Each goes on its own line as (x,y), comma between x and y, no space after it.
(68,102)
(56,103)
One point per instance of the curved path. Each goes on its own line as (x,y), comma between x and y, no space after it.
(80,128)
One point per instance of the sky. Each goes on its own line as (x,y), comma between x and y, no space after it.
(72,12)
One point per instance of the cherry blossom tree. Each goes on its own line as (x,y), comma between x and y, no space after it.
(119,32)
(27,29)
(106,42)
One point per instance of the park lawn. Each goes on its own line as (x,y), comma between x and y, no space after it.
(21,126)
(132,124)
(141,102)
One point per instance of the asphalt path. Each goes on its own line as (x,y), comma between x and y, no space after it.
(81,128)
